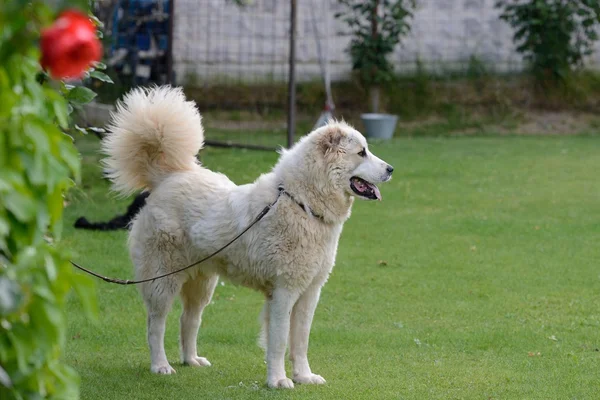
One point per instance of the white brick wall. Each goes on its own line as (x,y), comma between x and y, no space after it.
(215,40)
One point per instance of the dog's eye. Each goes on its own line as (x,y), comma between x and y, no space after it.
(363,153)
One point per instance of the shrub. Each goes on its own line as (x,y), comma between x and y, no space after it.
(38,163)
(377,27)
(554,36)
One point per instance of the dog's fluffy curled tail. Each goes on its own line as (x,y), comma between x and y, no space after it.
(153,133)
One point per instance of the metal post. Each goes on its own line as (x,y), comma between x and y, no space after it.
(291,117)
(170,43)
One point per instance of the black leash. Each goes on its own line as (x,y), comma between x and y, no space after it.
(128,282)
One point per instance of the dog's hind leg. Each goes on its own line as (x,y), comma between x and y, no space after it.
(158,296)
(263,337)
(301,320)
(195,294)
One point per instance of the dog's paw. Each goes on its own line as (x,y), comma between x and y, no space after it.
(312,379)
(197,362)
(284,383)
(162,369)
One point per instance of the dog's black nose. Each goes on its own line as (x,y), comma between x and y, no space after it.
(390,169)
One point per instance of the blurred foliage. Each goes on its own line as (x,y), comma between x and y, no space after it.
(554,36)
(377,26)
(38,163)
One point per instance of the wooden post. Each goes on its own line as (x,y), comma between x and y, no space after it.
(170,76)
(291,117)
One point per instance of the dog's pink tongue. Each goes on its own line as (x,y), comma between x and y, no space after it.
(377,193)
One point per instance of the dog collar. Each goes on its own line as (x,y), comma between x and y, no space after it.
(304,207)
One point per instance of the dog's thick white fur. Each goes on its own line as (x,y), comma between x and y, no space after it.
(154,138)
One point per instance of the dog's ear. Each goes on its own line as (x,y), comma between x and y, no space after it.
(331,140)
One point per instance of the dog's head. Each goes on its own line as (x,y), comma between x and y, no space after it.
(344,156)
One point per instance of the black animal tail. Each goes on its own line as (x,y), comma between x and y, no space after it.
(118,222)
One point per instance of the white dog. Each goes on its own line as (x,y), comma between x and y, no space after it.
(192,212)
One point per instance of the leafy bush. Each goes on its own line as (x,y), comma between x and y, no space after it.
(38,163)
(554,36)
(377,27)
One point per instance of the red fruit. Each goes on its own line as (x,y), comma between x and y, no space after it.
(69,45)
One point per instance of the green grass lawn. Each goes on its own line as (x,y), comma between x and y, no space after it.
(477,277)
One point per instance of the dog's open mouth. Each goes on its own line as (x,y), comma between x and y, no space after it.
(364,189)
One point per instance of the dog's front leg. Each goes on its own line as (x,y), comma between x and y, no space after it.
(302,316)
(280,309)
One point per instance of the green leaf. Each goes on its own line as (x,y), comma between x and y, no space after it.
(21,205)
(55,316)
(85,289)
(62,114)
(35,168)
(4,378)
(57,172)
(44,292)
(80,95)
(36,132)
(80,129)
(69,154)
(97,22)
(11,296)
(68,379)
(99,65)
(4,227)
(50,267)
(43,218)
(96,129)
(22,350)
(101,76)
(55,207)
